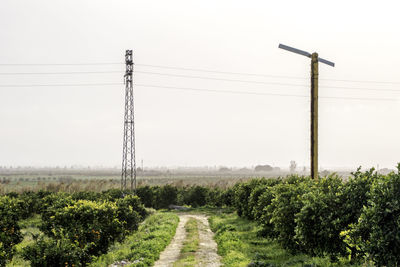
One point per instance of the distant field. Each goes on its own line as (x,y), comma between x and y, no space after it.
(72,180)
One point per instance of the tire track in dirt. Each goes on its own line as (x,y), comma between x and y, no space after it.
(207,253)
(172,251)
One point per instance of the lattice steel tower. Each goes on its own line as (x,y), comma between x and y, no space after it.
(128,154)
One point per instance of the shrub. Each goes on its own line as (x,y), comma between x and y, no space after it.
(165,196)
(195,196)
(263,214)
(255,206)
(95,225)
(113,194)
(55,253)
(10,233)
(216,197)
(86,195)
(228,197)
(242,192)
(147,195)
(130,212)
(376,234)
(51,204)
(322,218)
(284,206)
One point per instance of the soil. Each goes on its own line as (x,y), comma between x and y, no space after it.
(207,252)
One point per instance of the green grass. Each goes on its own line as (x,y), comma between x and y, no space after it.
(29,230)
(239,244)
(190,245)
(143,247)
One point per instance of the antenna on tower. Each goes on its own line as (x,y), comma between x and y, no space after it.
(128,151)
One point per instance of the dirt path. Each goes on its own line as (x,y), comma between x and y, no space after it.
(171,252)
(207,253)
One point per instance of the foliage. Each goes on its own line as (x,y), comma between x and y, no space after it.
(55,253)
(285,205)
(376,234)
(95,225)
(217,197)
(146,195)
(10,233)
(144,246)
(263,214)
(242,192)
(256,206)
(130,212)
(195,196)
(165,196)
(239,245)
(86,195)
(322,218)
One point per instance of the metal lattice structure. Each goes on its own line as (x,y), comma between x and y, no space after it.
(128,154)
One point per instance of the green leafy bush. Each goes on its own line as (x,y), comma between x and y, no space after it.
(10,233)
(55,253)
(130,212)
(216,197)
(376,235)
(285,205)
(93,226)
(114,194)
(322,218)
(165,196)
(195,196)
(256,206)
(147,195)
(87,195)
(242,192)
(263,214)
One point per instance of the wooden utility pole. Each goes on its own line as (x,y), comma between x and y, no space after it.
(314,116)
(314,102)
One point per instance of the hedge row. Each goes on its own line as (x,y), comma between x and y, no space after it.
(160,197)
(76,227)
(359,218)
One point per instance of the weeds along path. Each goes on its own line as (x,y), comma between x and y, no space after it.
(206,255)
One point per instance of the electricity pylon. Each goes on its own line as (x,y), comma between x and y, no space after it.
(128,151)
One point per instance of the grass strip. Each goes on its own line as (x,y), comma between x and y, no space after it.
(239,244)
(30,231)
(143,247)
(190,245)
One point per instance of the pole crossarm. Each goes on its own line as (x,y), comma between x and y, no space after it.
(305,53)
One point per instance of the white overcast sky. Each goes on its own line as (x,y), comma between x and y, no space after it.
(49,126)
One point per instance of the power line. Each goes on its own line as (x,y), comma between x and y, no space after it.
(261,82)
(189,89)
(258,93)
(58,85)
(217,91)
(195,77)
(183,68)
(56,73)
(218,79)
(360,81)
(221,72)
(264,75)
(60,64)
